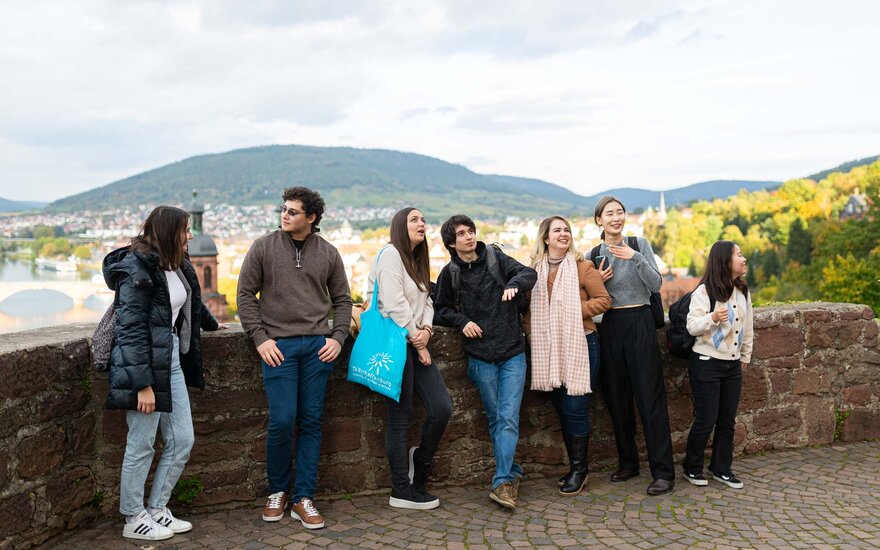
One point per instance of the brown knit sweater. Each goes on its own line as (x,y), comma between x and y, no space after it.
(293,301)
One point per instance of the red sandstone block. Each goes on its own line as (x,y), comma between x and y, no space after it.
(780,382)
(41,453)
(115,429)
(819,419)
(778,342)
(70,490)
(836,335)
(858,395)
(81,434)
(772,421)
(16,513)
(814,315)
(861,425)
(341,435)
(755,390)
(806,382)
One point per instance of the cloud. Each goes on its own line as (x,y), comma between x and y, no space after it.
(425,111)
(528,113)
(650,27)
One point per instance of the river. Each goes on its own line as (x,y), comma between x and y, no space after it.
(31,306)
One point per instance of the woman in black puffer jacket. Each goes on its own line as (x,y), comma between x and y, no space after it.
(156,354)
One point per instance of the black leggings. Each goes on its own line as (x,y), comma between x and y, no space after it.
(632,369)
(426,382)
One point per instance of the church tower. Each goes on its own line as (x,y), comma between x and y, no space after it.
(203,255)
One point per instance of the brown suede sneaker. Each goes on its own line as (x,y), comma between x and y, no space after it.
(275,506)
(514,491)
(307,514)
(503,495)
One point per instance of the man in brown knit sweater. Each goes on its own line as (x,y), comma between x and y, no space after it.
(300,278)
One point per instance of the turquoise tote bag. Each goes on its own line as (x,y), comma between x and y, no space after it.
(379,353)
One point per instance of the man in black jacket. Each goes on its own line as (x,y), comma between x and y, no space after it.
(480,293)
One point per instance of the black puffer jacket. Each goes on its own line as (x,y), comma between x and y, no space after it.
(141,354)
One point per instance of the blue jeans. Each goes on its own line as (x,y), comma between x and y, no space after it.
(501,387)
(295,391)
(574,410)
(177,432)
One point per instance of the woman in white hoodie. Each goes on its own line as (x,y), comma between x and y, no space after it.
(720,317)
(402,270)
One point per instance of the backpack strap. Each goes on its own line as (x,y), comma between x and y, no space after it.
(455,280)
(633,243)
(492,265)
(595,252)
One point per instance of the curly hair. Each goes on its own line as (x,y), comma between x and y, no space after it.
(312,203)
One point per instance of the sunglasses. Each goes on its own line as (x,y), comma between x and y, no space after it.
(289,211)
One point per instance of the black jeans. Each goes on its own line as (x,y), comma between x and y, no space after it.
(631,368)
(426,382)
(716,385)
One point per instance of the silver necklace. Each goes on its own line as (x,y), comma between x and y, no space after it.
(298,258)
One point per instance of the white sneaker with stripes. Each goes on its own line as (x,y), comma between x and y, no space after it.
(164,518)
(144,527)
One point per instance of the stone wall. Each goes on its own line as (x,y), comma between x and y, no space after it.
(815,378)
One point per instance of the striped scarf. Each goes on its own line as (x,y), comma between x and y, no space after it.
(560,356)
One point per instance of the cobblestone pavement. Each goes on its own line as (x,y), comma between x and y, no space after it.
(825,497)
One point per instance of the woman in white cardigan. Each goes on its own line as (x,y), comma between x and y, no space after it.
(720,317)
(404,287)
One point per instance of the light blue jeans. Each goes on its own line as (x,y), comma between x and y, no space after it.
(501,387)
(177,432)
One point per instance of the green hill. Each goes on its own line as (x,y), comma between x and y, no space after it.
(344,176)
(349,177)
(845,167)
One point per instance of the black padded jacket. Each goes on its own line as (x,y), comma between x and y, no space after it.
(141,354)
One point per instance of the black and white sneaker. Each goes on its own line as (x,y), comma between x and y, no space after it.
(730,480)
(144,527)
(411,499)
(696,479)
(165,518)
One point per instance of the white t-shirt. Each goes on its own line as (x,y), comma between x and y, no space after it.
(177,292)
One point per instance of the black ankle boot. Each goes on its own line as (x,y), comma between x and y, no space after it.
(567,439)
(579,474)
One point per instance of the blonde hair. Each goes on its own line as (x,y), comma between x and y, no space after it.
(540,248)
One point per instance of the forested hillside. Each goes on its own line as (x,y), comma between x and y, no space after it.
(797,247)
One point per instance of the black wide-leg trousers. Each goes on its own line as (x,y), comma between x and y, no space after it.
(632,370)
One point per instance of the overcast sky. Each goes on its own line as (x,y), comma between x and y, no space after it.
(589,95)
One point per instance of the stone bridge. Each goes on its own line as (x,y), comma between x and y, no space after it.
(79,291)
(815,379)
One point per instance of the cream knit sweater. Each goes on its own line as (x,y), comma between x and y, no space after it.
(730,340)
(399,296)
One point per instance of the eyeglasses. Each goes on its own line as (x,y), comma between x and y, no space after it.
(290,211)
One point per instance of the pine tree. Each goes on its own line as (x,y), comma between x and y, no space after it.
(800,243)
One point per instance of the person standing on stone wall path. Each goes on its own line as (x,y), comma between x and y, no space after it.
(723,345)
(300,278)
(156,354)
(403,276)
(479,293)
(565,347)
(631,363)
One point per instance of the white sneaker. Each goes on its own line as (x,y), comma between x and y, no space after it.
(412,463)
(145,527)
(164,518)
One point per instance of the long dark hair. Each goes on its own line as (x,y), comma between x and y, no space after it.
(719,285)
(415,260)
(600,206)
(161,234)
